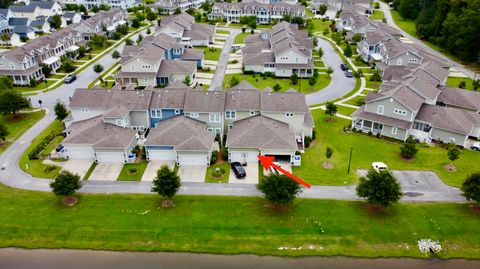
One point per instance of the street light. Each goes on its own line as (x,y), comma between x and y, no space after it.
(349,160)
(40,103)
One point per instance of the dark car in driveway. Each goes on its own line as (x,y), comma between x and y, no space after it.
(70,78)
(344,67)
(238,170)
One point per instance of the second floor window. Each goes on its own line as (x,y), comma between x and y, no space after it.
(230,114)
(380,109)
(156,113)
(215,117)
(289,114)
(399,111)
(194,115)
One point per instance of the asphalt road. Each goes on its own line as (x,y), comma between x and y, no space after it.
(217,81)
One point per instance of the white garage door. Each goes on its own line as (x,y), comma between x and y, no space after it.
(243,156)
(162,155)
(185,159)
(79,153)
(110,156)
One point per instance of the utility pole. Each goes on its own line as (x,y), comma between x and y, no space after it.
(349,160)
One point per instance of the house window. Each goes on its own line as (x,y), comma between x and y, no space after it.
(289,114)
(119,122)
(177,111)
(146,66)
(394,130)
(210,129)
(215,117)
(412,60)
(145,80)
(230,114)
(84,109)
(399,61)
(156,113)
(134,127)
(12,66)
(218,130)
(399,111)
(380,109)
(194,115)
(252,112)
(141,128)
(132,68)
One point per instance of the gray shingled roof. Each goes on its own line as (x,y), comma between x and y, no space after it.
(283,101)
(183,133)
(168,98)
(243,85)
(449,119)
(22,8)
(242,99)
(404,96)
(169,67)
(107,99)
(460,98)
(43,4)
(17,21)
(193,54)
(260,132)
(205,101)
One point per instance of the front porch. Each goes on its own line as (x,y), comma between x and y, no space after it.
(367,126)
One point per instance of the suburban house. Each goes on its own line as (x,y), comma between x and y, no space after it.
(183,28)
(283,50)
(123,4)
(101,23)
(72,17)
(169,6)
(158,60)
(264,12)
(180,124)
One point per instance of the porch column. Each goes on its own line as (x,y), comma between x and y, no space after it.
(361,126)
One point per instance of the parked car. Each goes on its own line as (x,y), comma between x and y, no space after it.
(344,67)
(349,74)
(275,171)
(476,146)
(379,167)
(238,52)
(59,148)
(70,78)
(238,170)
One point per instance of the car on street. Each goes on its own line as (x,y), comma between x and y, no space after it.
(70,78)
(276,171)
(238,170)
(379,167)
(344,67)
(476,146)
(349,74)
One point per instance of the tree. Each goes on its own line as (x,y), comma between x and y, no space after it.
(277,87)
(312,80)
(279,189)
(379,188)
(98,68)
(357,38)
(81,51)
(46,70)
(287,18)
(55,21)
(135,23)
(166,184)
(149,31)
(315,73)
(377,75)
(3,132)
(471,187)
(476,84)
(151,16)
(234,81)
(320,52)
(453,152)
(6,83)
(187,80)
(32,82)
(5,37)
(408,9)
(244,29)
(128,42)
(328,152)
(331,109)
(315,41)
(12,102)
(65,184)
(329,70)
(294,78)
(177,11)
(139,39)
(97,41)
(409,148)
(94,9)
(348,52)
(116,54)
(60,111)
(190,11)
(322,9)
(298,20)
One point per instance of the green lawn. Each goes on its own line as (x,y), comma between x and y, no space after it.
(212,54)
(344,110)
(132,171)
(319,64)
(38,87)
(454,81)
(57,76)
(90,171)
(210,178)
(320,25)
(240,38)
(322,81)
(406,25)
(369,149)
(233,225)
(360,64)
(372,84)
(37,168)
(377,15)
(225,32)
(114,66)
(18,125)
(357,101)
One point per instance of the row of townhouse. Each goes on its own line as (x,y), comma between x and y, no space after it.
(24,63)
(265,13)
(184,30)
(413,99)
(180,124)
(158,60)
(283,50)
(169,6)
(123,4)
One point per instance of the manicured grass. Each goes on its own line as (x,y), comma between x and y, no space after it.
(212,54)
(372,84)
(37,168)
(320,25)
(377,15)
(38,87)
(90,171)
(319,64)
(210,178)
(322,81)
(234,225)
(356,101)
(225,32)
(57,76)
(132,171)
(114,66)
(344,110)
(455,81)
(368,149)
(240,38)
(358,63)
(18,125)
(406,25)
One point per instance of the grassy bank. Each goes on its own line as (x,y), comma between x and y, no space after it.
(233,225)
(18,125)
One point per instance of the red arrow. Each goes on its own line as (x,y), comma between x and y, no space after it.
(267,162)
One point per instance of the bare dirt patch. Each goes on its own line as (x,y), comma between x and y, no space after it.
(327,165)
(450,167)
(69,201)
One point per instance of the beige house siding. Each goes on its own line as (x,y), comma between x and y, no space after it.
(401,133)
(78,115)
(290,56)
(296,123)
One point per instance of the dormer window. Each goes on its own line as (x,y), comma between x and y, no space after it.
(289,114)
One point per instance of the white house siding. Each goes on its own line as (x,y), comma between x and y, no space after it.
(242,155)
(138,65)
(447,136)
(161,154)
(78,115)
(200,43)
(254,68)
(279,152)
(476,131)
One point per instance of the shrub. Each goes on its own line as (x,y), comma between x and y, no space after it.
(471,187)
(132,170)
(218,172)
(307,141)
(462,85)
(214,157)
(409,149)
(33,154)
(224,154)
(328,152)
(379,188)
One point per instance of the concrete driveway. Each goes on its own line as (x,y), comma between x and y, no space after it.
(284,165)
(252,175)
(106,172)
(192,173)
(77,166)
(152,168)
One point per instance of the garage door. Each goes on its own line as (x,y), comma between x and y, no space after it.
(79,153)
(185,159)
(162,155)
(110,157)
(244,156)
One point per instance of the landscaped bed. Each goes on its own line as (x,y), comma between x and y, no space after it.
(234,225)
(367,149)
(218,173)
(133,171)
